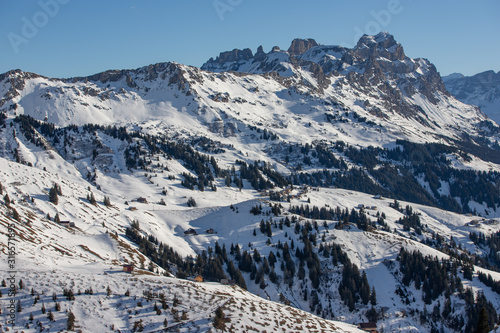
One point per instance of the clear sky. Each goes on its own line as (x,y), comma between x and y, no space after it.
(66,38)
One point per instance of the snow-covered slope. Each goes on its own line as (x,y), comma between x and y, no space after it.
(482,89)
(90,255)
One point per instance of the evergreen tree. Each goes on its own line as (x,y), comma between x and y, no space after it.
(482,323)
(70,323)
(373,297)
(91,198)
(219,319)
(50,315)
(53,196)
(6,199)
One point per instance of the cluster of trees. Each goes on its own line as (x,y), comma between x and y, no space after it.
(354,287)
(399,170)
(344,216)
(440,278)
(430,274)
(487,279)
(491,258)
(411,220)
(209,264)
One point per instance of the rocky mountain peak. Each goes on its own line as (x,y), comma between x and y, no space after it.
(381,45)
(234,55)
(299,46)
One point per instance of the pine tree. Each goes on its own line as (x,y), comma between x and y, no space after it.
(50,315)
(19,308)
(53,197)
(6,199)
(91,198)
(373,297)
(70,323)
(482,322)
(15,215)
(219,319)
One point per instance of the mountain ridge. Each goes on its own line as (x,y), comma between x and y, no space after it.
(409,89)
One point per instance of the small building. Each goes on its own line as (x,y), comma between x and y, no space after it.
(190,231)
(67,224)
(142,200)
(368,327)
(228,282)
(128,268)
(210,231)
(197,278)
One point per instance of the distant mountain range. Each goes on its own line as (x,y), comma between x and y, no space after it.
(482,89)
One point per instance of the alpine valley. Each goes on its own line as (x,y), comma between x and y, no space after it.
(306,190)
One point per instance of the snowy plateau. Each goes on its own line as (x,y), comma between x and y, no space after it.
(317,189)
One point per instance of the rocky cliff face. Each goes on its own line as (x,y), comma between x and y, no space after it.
(300,46)
(482,89)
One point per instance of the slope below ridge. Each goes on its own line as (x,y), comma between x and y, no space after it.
(89,256)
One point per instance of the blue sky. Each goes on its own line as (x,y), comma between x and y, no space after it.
(66,38)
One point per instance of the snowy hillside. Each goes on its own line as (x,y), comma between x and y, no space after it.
(90,255)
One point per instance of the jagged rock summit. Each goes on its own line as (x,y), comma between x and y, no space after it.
(300,46)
